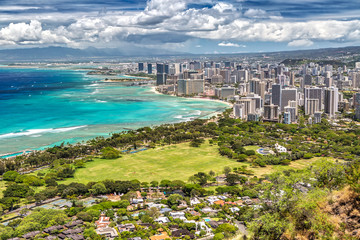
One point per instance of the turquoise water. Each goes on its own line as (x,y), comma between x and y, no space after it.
(14,154)
(45,107)
(129,77)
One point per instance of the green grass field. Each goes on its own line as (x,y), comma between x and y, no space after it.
(175,162)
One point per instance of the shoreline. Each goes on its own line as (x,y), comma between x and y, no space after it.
(153,89)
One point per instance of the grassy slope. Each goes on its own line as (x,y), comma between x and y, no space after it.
(175,162)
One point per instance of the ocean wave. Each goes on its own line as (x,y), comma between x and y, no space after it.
(100,101)
(95,92)
(197,112)
(36,132)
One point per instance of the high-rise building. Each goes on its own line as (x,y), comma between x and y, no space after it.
(292,79)
(149,67)
(328,81)
(190,86)
(140,66)
(249,106)
(217,79)
(357,105)
(287,117)
(161,78)
(307,80)
(355,78)
(227,92)
(317,117)
(166,68)
(238,110)
(314,93)
(271,113)
(293,113)
(254,86)
(258,100)
(160,68)
(267,99)
(288,94)
(225,73)
(276,94)
(311,106)
(331,101)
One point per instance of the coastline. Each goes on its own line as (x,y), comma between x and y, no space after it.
(153,89)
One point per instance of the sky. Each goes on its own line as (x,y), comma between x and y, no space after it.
(189,26)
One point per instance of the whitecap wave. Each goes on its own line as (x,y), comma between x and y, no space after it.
(100,101)
(37,132)
(95,92)
(197,112)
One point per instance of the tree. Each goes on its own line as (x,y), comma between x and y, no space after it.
(201,178)
(41,218)
(153,212)
(218,236)
(85,216)
(227,170)
(174,199)
(196,142)
(18,190)
(232,179)
(98,188)
(9,202)
(226,228)
(10,176)
(110,153)
(154,184)
(329,174)
(39,197)
(268,226)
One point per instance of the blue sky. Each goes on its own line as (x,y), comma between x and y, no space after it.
(206,26)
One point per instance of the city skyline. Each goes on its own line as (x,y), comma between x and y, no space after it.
(206,27)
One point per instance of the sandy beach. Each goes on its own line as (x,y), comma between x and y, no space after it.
(153,89)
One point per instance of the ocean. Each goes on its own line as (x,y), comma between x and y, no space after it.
(40,108)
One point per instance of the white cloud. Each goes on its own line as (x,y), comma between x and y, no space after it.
(222,22)
(230,44)
(301,43)
(32,33)
(255,13)
(17,8)
(223,7)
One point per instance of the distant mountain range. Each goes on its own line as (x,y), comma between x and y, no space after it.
(64,54)
(73,54)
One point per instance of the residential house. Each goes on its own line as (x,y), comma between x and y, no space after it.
(178,215)
(108,232)
(129,227)
(31,235)
(194,201)
(162,220)
(103,221)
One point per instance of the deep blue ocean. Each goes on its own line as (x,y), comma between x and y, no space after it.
(45,107)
